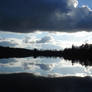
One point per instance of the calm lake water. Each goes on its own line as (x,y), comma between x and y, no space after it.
(44,67)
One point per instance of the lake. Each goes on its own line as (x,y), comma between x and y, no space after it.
(42,66)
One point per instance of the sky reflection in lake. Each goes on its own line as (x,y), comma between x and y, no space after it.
(44,67)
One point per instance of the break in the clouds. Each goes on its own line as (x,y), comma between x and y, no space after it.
(30,42)
(44,15)
(44,40)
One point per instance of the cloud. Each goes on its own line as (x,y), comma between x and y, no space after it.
(10,42)
(45,42)
(5,61)
(30,42)
(44,15)
(46,67)
(34,39)
(29,39)
(45,39)
(6,43)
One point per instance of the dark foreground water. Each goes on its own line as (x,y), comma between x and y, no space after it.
(23,82)
(44,75)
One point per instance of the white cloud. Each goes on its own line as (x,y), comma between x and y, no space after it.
(47,40)
(46,67)
(56,68)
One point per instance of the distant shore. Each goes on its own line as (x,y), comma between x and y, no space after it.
(81,53)
(9,52)
(85,51)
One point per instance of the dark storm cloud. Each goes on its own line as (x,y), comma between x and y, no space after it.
(44,15)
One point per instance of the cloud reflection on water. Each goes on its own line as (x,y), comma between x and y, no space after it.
(44,66)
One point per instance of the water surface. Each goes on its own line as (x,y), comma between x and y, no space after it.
(44,66)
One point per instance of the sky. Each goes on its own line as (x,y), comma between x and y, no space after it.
(45,24)
(85,2)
